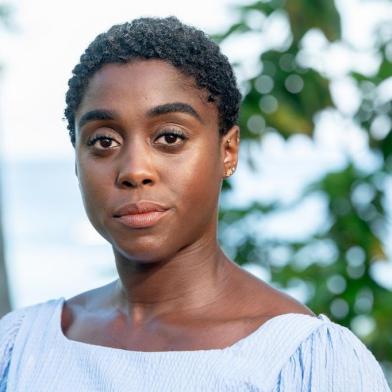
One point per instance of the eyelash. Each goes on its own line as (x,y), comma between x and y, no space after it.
(92,141)
(172,132)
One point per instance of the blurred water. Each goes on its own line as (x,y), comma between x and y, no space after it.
(51,249)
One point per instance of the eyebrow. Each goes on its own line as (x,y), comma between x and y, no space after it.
(96,115)
(174,107)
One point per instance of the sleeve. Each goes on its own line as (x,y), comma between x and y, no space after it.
(332,359)
(9,327)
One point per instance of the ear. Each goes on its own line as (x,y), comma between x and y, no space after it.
(230,149)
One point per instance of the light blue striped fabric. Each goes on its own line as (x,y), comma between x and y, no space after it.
(291,352)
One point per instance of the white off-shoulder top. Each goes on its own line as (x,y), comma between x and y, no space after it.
(290,352)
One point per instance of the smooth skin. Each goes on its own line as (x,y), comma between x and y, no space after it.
(144,131)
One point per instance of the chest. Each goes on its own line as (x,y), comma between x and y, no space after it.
(160,336)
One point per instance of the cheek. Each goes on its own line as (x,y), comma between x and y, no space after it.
(197,180)
(94,185)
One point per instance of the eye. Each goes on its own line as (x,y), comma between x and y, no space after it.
(171,137)
(103,142)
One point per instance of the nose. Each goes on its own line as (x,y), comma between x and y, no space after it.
(135,167)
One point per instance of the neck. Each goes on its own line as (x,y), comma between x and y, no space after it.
(192,279)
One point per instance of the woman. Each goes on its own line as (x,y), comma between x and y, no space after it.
(152,110)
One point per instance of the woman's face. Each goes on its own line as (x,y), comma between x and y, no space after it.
(145,133)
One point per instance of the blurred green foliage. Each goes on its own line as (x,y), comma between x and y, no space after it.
(334,265)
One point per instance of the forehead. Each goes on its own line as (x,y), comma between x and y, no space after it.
(143,84)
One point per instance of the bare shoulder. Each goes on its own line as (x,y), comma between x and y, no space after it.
(77,306)
(283,303)
(266,300)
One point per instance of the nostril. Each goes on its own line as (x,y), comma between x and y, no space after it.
(130,184)
(127,184)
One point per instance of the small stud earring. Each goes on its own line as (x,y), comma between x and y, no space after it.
(230,172)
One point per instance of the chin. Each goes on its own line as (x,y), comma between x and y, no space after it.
(145,252)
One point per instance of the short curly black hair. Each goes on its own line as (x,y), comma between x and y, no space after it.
(186,48)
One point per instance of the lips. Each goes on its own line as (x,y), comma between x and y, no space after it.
(139,208)
(141,214)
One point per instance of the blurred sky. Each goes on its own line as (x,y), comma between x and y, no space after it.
(38,55)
